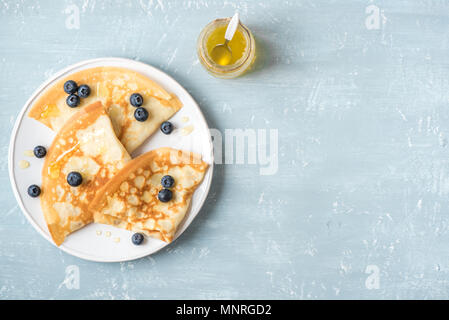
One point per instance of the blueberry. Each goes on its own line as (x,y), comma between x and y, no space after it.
(83,91)
(136,100)
(73,101)
(165,195)
(167,127)
(70,87)
(141,114)
(167,181)
(74,179)
(137,238)
(34,191)
(40,151)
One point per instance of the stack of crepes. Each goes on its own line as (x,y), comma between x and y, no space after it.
(96,139)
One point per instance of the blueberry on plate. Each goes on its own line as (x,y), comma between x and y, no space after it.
(167,181)
(141,114)
(34,191)
(165,195)
(83,91)
(73,101)
(70,87)
(137,238)
(40,151)
(136,100)
(74,179)
(167,127)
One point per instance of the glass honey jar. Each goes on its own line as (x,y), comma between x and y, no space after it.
(242,45)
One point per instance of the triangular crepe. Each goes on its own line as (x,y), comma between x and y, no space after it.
(113,86)
(86,144)
(129,200)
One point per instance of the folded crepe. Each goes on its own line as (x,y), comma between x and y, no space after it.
(130,199)
(88,145)
(113,86)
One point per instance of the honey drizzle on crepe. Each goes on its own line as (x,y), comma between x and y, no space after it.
(129,200)
(79,146)
(113,87)
(55,167)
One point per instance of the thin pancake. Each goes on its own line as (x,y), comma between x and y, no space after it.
(129,200)
(113,86)
(86,144)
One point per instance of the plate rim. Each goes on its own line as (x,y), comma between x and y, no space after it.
(13,137)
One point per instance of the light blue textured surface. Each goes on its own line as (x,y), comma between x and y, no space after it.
(363,122)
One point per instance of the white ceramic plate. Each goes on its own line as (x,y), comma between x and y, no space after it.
(86,243)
